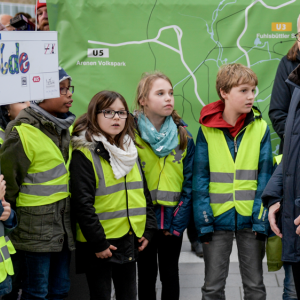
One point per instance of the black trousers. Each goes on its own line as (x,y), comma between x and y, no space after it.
(296,274)
(123,276)
(167,250)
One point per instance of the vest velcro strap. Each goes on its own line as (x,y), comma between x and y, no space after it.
(5,252)
(2,134)
(220,198)
(122,213)
(165,195)
(245,194)
(221,177)
(43,190)
(49,175)
(246,175)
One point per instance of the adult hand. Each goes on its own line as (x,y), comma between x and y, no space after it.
(144,242)
(2,27)
(297,222)
(272,218)
(2,187)
(106,253)
(166,233)
(7,210)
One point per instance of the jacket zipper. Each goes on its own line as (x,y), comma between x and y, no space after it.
(177,209)
(235,154)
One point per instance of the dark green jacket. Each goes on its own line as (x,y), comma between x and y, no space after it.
(41,228)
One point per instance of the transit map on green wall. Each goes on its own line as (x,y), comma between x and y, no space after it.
(109,44)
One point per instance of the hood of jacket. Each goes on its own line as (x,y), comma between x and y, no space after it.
(80,141)
(294,77)
(211,116)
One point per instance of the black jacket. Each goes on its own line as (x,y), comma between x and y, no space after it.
(284,184)
(83,187)
(281,96)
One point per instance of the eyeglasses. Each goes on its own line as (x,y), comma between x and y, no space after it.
(296,35)
(109,113)
(64,91)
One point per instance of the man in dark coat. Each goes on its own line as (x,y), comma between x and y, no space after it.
(282,194)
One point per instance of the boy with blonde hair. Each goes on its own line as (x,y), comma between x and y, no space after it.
(232,165)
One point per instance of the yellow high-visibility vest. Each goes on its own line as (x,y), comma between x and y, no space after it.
(6,249)
(2,136)
(277,159)
(47,180)
(117,201)
(234,183)
(164,175)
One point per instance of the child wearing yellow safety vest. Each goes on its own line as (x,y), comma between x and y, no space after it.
(167,161)
(232,165)
(35,159)
(110,198)
(8,222)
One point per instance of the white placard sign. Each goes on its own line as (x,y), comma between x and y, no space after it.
(28,66)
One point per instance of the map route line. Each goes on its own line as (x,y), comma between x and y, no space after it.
(179,34)
(147,32)
(246,23)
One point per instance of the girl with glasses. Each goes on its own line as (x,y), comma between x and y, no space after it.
(112,204)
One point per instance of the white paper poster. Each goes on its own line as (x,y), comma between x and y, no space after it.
(29,66)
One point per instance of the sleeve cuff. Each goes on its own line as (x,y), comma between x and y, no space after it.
(206,238)
(148,234)
(11,221)
(99,247)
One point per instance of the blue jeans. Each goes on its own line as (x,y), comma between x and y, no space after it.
(289,290)
(46,275)
(5,286)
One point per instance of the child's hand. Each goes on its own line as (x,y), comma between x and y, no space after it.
(7,210)
(106,253)
(2,186)
(166,232)
(144,242)
(297,222)
(272,218)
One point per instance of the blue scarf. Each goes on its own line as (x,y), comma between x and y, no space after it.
(162,142)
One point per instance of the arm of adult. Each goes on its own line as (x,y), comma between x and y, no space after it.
(14,165)
(83,189)
(272,197)
(151,223)
(280,98)
(265,169)
(203,214)
(2,27)
(182,213)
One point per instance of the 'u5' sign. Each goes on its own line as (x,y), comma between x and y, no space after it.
(16,63)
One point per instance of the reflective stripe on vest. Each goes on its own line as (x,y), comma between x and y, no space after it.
(234,184)
(119,203)
(2,136)
(164,175)
(47,179)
